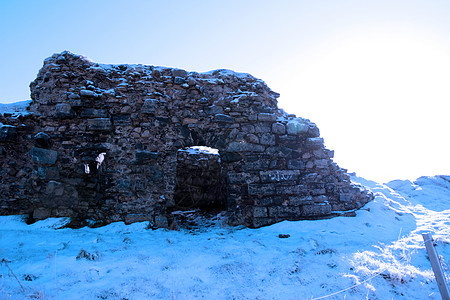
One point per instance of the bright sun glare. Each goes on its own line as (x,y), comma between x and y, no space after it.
(381,101)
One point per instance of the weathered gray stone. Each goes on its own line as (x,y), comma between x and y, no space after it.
(242,178)
(41,213)
(316,210)
(321,163)
(179,80)
(8,133)
(44,156)
(277,151)
(284,211)
(300,200)
(261,189)
(143,156)
(266,117)
(48,172)
(314,143)
(179,73)
(278,128)
(255,165)
(263,127)
(295,164)
(99,124)
(63,110)
(259,212)
(297,126)
(251,138)
(42,140)
(88,94)
(244,147)
(150,106)
(268,139)
(223,118)
(282,176)
(121,120)
(291,190)
(215,109)
(93,113)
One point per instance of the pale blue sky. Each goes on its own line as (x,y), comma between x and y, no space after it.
(372,74)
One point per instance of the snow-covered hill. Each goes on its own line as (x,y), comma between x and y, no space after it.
(379,254)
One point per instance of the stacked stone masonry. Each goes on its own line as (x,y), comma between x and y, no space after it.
(102,143)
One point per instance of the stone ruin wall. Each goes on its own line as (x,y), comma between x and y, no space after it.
(103,142)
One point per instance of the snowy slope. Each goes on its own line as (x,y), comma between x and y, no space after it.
(379,254)
(16,109)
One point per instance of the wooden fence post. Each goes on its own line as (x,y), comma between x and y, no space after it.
(436,265)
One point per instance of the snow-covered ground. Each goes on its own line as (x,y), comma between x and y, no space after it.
(379,254)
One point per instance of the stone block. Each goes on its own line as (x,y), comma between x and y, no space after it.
(63,110)
(94,113)
(221,118)
(277,151)
(291,190)
(345,197)
(43,156)
(54,188)
(214,109)
(297,126)
(313,130)
(321,163)
(47,173)
(267,139)
(230,157)
(150,106)
(179,80)
(242,178)
(122,120)
(267,117)
(316,210)
(260,212)
(320,199)
(248,128)
(314,143)
(8,133)
(89,94)
(99,124)
(143,156)
(263,128)
(295,164)
(41,213)
(282,176)
(161,221)
(284,211)
(260,164)
(252,138)
(259,222)
(245,147)
(300,200)
(42,140)
(261,189)
(133,218)
(179,73)
(278,128)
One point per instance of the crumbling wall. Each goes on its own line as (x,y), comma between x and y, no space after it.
(113,133)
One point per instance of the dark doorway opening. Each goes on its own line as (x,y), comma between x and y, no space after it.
(200,183)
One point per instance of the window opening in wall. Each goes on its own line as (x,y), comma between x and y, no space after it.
(91,168)
(200,183)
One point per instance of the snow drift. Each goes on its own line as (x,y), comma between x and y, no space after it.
(379,254)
